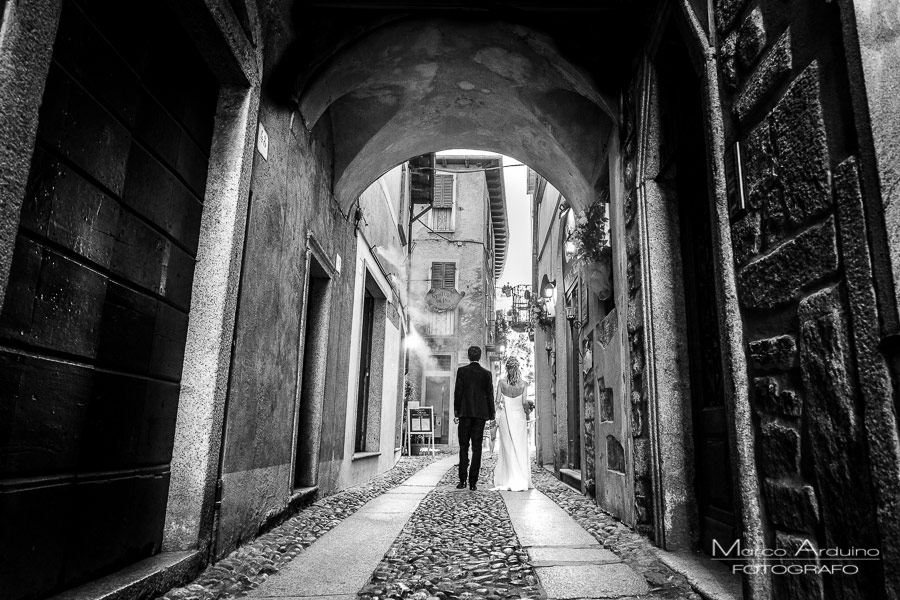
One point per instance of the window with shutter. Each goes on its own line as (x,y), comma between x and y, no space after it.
(443,191)
(443,275)
(442,206)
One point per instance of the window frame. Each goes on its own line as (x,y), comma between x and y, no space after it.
(452,208)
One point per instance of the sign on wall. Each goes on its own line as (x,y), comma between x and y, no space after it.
(442,300)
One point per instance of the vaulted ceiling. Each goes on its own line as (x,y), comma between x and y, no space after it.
(538,81)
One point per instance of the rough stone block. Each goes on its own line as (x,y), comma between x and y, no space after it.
(807,586)
(746,237)
(780,450)
(759,164)
(632,242)
(772,400)
(726,13)
(825,358)
(630,174)
(635,313)
(630,206)
(792,505)
(728,61)
(837,440)
(637,354)
(777,353)
(637,420)
(751,38)
(798,133)
(779,277)
(633,275)
(641,452)
(589,433)
(875,378)
(769,73)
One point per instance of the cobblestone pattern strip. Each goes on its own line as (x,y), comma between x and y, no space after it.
(248,566)
(458,545)
(634,549)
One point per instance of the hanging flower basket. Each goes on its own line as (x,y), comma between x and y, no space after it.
(540,317)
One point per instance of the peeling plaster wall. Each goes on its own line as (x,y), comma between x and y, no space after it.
(290,197)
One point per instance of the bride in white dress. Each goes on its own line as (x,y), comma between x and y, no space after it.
(513,470)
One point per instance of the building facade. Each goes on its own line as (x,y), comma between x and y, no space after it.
(458,252)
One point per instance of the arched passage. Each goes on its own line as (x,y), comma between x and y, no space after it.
(417,86)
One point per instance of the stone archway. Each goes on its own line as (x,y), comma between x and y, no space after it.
(420,85)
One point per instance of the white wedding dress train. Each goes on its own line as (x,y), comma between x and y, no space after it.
(513,469)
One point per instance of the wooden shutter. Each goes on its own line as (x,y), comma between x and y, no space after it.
(443,191)
(443,275)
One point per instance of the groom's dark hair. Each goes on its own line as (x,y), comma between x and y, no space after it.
(474,353)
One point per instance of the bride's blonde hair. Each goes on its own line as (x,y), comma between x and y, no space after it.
(513,376)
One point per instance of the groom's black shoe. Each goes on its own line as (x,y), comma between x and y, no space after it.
(473,487)
(461,485)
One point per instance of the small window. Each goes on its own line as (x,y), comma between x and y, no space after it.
(441,323)
(443,275)
(442,207)
(442,362)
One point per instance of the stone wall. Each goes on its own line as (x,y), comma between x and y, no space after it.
(825,428)
(826,432)
(643,484)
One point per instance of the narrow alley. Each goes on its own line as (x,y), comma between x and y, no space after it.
(421,538)
(269,268)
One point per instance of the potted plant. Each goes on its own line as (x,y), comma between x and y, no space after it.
(592,249)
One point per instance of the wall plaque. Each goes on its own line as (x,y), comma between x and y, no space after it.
(441,300)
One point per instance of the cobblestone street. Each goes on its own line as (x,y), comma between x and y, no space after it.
(250,565)
(458,544)
(445,544)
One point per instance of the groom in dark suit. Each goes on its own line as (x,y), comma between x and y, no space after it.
(473,406)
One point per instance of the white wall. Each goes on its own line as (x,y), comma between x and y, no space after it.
(378,229)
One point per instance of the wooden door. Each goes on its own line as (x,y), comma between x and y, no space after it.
(573,421)
(365,371)
(93,326)
(684,172)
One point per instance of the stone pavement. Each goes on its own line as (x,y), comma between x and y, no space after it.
(340,563)
(569,562)
(251,564)
(458,545)
(422,539)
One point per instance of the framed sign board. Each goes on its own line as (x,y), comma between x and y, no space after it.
(419,421)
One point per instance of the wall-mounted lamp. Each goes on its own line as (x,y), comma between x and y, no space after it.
(547,287)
